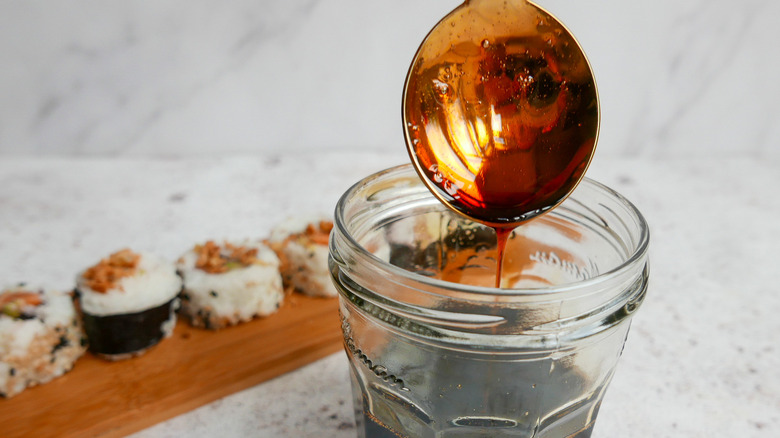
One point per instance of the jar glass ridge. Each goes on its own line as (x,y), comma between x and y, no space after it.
(436,352)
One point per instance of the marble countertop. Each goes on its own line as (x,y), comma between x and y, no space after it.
(701,359)
(193,77)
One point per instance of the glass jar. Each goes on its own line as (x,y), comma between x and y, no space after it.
(435,351)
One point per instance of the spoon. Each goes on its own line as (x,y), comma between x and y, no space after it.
(500,112)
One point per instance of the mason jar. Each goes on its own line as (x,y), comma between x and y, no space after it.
(436,351)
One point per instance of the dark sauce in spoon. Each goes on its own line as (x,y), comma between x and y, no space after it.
(501,113)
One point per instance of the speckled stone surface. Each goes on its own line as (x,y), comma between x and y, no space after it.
(702,358)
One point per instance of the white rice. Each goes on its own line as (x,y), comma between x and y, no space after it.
(293,225)
(217,300)
(35,351)
(155,283)
(306,270)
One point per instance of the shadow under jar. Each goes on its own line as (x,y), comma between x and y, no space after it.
(435,351)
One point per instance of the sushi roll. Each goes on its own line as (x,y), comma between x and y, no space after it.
(229,283)
(40,337)
(302,247)
(128,303)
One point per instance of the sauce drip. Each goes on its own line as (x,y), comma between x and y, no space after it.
(502,237)
(501,113)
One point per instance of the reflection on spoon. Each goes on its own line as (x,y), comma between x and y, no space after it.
(500,111)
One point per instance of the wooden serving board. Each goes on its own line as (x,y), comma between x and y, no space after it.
(191,368)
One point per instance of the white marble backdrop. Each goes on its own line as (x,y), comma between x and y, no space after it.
(175,77)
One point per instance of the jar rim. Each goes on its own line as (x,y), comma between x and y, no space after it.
(637,255)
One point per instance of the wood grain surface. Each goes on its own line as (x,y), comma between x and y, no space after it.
(191,368)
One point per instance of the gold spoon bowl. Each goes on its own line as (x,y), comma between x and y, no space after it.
(500,111)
